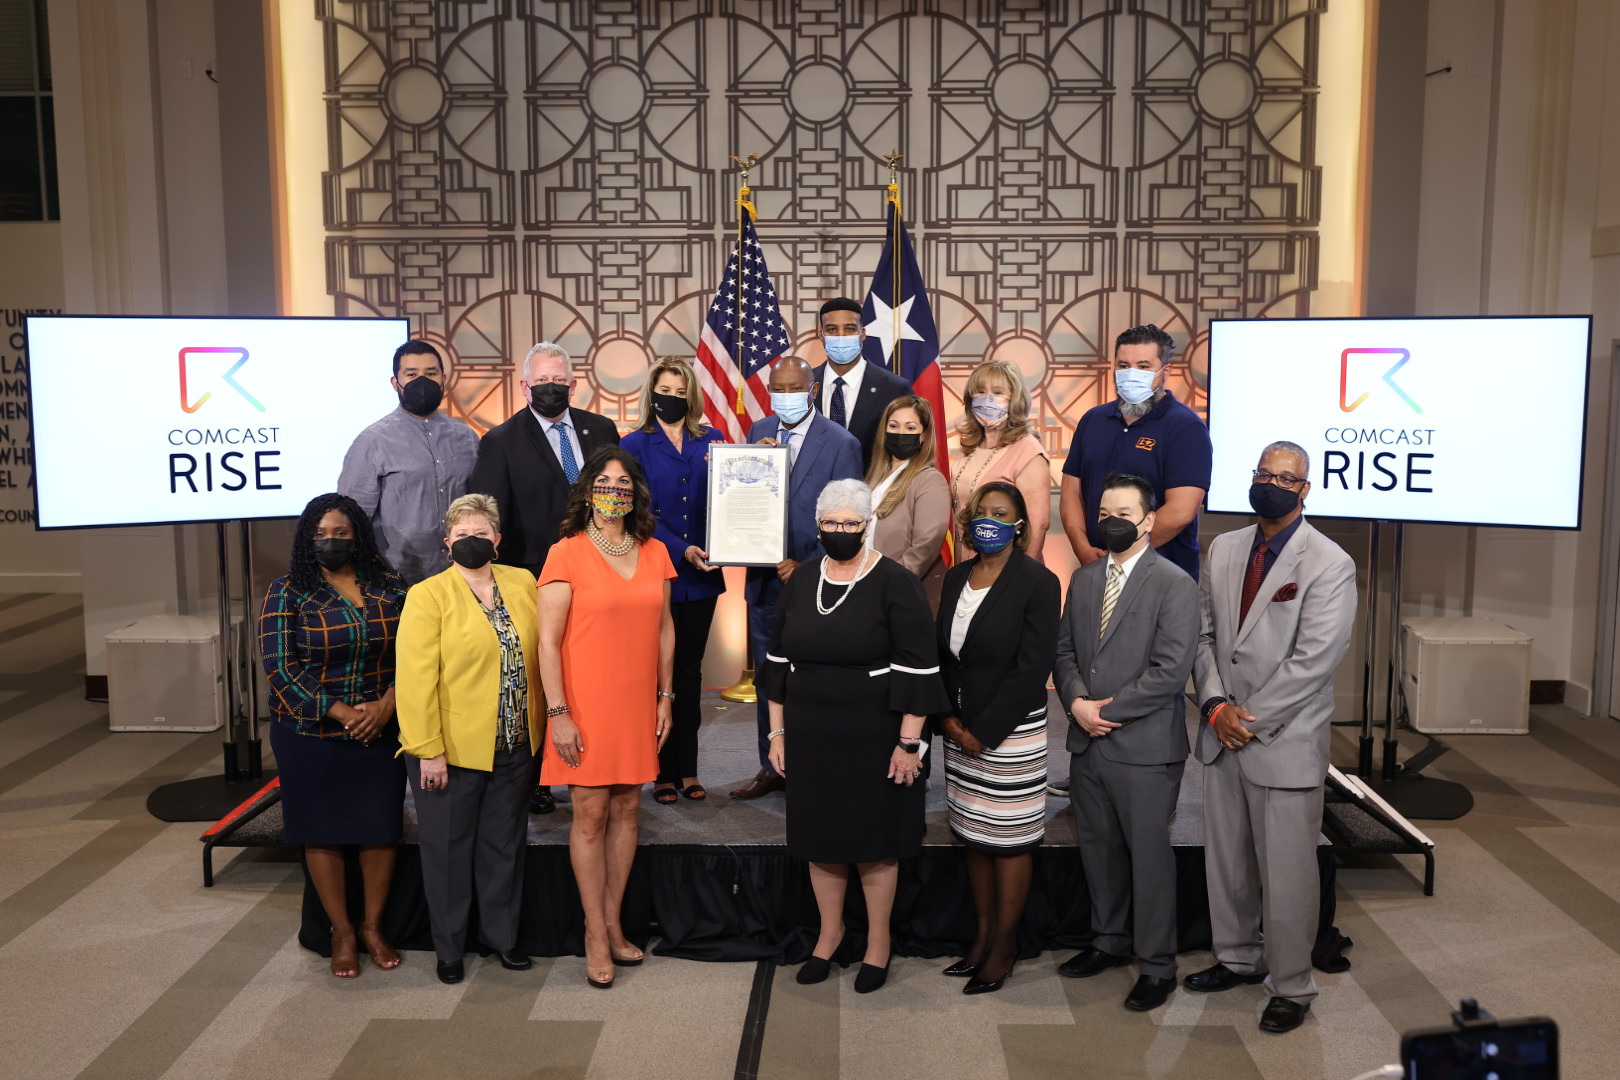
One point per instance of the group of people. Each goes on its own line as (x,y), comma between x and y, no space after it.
(446,614)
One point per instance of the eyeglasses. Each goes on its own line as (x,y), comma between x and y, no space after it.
(828,525)
(1287,480)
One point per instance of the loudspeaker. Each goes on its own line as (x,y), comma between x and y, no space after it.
(166,673)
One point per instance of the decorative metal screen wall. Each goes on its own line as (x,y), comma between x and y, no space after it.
(505,171)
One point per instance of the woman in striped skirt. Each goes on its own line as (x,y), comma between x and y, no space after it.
(997,635)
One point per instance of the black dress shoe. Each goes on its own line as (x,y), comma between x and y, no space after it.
(763,783)
(451,971)
(1149,993)
(1088,962)
(977,985)
(961,969)
(512,960)
(814,970)
(1282,1015)
(541,801)
(870,978)
(1212,980)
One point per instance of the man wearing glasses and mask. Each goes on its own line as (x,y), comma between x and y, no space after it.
(1278,603)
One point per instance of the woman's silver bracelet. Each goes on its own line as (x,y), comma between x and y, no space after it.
(779,731)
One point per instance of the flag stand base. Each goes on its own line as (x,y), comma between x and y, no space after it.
(742,691)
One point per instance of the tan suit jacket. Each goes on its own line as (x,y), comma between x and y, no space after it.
(914,531)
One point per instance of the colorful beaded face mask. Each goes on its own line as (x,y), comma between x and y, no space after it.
(611,502)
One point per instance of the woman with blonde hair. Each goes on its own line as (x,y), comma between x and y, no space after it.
(471,719)
(997,444)
(911,500)
(672,446)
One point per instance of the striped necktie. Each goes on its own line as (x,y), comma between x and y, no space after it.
(1116,578)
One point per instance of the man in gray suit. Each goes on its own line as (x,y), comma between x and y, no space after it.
(1278,601)
(1125,649)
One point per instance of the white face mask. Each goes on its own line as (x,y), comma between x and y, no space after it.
(989,409)
(1134,385)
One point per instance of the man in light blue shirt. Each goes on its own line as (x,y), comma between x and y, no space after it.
(408,467)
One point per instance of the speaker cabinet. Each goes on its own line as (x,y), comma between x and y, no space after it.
(166,673)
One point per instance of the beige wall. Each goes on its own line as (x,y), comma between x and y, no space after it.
(1506,227)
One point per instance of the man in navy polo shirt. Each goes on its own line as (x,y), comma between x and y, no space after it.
(1144,432)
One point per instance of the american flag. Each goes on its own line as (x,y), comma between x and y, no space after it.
(744,324)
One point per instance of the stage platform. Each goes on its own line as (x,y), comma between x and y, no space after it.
(712,880)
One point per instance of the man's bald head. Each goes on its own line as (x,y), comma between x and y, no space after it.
(791,375)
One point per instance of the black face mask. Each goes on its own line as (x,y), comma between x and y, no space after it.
(333,552)
(842,546)
(549,399)
(473,551)
(671,408)
(901,447)
(421,396)
(1272,502)
(1117,534)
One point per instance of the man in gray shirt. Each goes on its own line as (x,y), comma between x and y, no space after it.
(408,467)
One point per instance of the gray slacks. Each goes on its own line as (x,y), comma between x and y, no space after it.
(472,837)
(1264,887)
(1122,815)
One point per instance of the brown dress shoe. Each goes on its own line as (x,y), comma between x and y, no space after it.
(763,783)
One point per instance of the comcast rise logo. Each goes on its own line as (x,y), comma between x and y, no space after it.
(1344,377)
(229,377)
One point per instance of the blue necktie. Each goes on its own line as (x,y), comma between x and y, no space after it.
(570,466)
(838,415)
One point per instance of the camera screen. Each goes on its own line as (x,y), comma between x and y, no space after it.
(1522,1052)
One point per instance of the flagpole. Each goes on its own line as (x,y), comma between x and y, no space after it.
(742,691)
(893,158)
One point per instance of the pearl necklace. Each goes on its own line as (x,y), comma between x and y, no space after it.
(606,546)
(860,572)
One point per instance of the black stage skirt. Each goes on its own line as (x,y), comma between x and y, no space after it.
(337,791)
(841,733)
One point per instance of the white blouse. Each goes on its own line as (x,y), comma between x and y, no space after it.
(967,606)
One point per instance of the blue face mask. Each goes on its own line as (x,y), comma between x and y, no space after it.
(1134,385)
(988,536)
(790,407)
(842,350)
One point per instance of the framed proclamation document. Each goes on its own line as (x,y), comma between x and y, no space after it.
(748,504)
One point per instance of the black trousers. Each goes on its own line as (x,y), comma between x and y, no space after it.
(679,756)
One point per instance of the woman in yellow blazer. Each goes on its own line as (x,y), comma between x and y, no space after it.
(471,719)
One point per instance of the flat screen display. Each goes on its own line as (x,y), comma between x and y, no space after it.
(1477,421)
(142,421)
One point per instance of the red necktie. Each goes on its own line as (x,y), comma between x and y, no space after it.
(1251,581)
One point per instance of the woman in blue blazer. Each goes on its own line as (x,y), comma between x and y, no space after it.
(672,446)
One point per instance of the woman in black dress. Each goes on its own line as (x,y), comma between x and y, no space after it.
(327,631)
(851,673)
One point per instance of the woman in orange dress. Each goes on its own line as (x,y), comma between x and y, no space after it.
(996,444)
(607,659)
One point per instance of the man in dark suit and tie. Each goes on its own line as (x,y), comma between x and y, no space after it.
(819,452)
(528,463)
(1278,604)
(1125,649)
(849,391)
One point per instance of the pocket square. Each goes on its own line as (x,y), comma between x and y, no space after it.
(1286,593)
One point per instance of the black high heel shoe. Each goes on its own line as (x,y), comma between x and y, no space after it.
(814,970)
(977,985)
(871,978)
(962,969)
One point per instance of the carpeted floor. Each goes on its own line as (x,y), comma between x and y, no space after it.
(118,964)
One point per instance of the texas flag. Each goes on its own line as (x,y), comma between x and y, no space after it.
(900,333)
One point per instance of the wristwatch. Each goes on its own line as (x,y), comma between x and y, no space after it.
(911,747)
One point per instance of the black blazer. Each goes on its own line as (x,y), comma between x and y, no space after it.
(518,468)
(879,386)
(1009,650)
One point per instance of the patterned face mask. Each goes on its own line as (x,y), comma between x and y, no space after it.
(611,502)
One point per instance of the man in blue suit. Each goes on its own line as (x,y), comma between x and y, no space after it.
(819,452)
